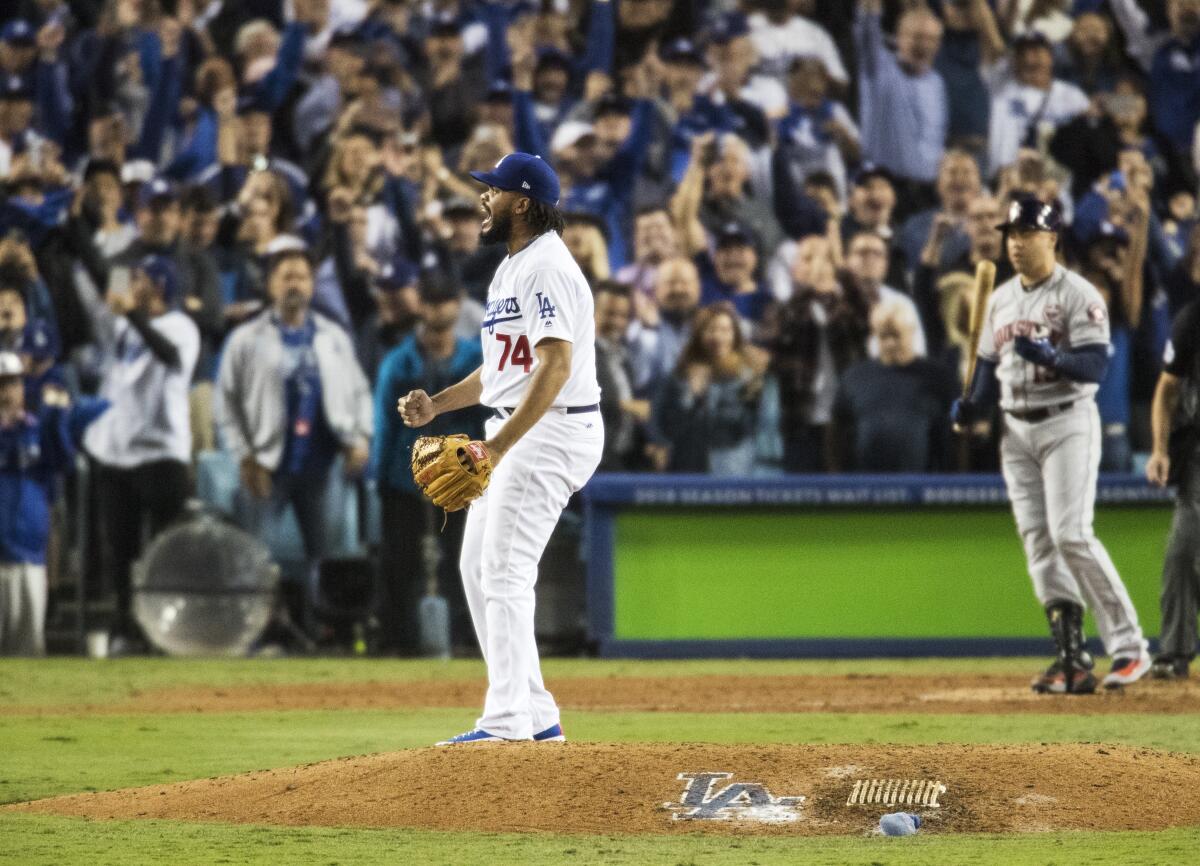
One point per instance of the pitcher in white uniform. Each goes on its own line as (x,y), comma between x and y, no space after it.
(545,436)
(1045,340)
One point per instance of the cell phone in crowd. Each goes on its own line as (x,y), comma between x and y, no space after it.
(118,280)
(35,154)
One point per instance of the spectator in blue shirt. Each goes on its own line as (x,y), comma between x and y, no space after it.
(595,179)
(244,147)
(33,450)
(903,99)
(33,340)
(292,399)
(1173,60)
(38,56)
(817,133)
(430,359)
(698,111)
(731,273)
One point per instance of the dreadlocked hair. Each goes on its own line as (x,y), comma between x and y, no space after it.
(542,217)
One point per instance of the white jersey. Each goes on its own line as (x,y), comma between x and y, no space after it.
(1065,309)
(1016,106)
(539,292)
(149,416)
(779,44)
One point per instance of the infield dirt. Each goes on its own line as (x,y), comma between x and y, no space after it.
(599,788)
(852,693)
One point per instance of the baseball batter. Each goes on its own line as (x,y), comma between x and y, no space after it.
(544,439)
(1045,340)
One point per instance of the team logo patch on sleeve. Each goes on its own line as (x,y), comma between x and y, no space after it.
(545,308)
(1096,313)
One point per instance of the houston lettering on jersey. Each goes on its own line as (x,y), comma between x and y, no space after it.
(1025,328)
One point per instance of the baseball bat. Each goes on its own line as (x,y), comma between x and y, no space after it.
(985,279)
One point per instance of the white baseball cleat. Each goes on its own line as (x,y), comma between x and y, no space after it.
(1126,670)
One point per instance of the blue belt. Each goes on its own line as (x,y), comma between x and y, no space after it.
(505,411)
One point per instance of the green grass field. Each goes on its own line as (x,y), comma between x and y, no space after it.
(59,752)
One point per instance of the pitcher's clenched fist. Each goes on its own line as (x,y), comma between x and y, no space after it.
(416,409)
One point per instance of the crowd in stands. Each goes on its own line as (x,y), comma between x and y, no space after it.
(248,227)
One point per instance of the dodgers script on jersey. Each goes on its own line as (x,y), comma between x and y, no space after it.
(1065,309)
(539,292)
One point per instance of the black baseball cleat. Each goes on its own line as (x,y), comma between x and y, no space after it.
(1170,668)
(1052,681)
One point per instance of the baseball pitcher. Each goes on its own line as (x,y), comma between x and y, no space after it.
(1045,343)
(543,443)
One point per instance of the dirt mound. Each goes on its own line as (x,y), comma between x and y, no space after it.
(588,788)
(956,693)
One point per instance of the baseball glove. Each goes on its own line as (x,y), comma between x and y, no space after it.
(451,470)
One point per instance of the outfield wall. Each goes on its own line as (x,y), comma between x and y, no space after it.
(682,566)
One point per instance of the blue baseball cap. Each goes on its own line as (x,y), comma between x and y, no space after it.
(396,274)
(524,173)
(19,32)
(157,190)
(16,88)
(165,276)
(869,170)
(728,27)
(681,50)
(547,57)
(500,91)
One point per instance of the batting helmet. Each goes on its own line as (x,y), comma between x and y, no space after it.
(1028,212)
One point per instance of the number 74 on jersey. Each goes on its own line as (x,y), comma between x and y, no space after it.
(515,351)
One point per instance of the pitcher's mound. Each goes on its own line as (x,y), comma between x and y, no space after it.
(586,788)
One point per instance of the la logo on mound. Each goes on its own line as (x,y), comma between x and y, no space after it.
(739,801)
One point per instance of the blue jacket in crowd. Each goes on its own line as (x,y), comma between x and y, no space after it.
(608,195)
(32,452)
(407,369)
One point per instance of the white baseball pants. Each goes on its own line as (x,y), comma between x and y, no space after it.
(1050,468)
(23,593)
(507,530)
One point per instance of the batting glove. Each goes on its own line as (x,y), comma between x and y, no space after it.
(963,413)
(1038,352)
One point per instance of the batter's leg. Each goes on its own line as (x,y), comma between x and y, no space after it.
(1023,477)
(1181,574)
(1070,448)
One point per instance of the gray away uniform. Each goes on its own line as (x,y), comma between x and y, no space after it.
(1050,458)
